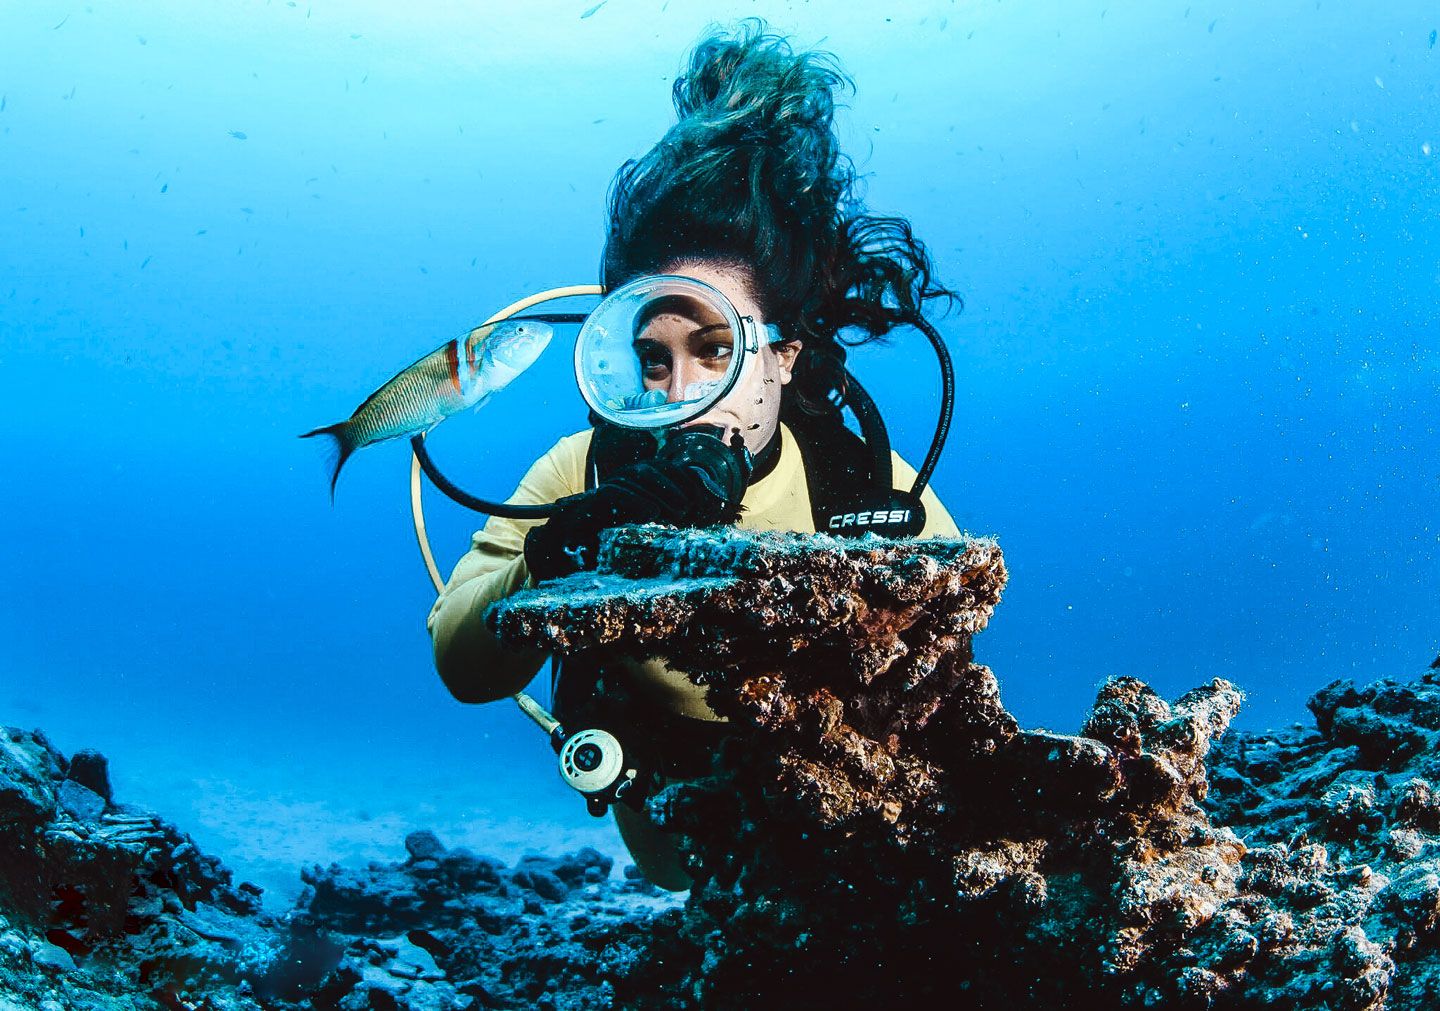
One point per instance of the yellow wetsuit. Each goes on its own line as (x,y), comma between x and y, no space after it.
(476,668)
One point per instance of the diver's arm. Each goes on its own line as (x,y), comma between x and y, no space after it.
(470,660)
(937,520)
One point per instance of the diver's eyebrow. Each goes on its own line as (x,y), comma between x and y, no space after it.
(692,335)
(706,329)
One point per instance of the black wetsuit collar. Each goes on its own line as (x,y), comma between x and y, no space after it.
(766,459)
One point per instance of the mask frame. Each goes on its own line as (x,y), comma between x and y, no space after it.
(609,370)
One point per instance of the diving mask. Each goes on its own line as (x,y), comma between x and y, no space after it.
(663,350)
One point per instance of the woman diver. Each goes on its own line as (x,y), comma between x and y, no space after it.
(743,217)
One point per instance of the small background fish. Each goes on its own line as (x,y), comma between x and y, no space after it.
(463,373)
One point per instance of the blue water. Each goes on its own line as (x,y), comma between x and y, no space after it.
(1197,368)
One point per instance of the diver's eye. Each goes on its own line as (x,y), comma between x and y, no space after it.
(654,362)
(717,353)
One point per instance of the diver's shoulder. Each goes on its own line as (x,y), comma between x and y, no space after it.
(575,444)
(567,458)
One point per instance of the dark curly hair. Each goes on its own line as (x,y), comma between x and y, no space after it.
(752,175)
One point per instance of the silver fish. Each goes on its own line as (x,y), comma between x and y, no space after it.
(465,372)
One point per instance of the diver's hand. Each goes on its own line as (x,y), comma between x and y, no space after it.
(663,490)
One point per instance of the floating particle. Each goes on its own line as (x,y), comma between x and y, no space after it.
(239,135)
(1433,33)
(202,231)
(62,23)
(1379,84)
(165,188)
(248,210)
(592,10)
(355,35)
(142,40)
(1211,29)
(82,233)
(1425,149)
(145,263)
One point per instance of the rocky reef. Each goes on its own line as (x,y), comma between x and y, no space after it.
(880,827)
(877,827)
(106,907)
(1343,824)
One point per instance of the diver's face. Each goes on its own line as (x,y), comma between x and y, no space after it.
(689,344)
(684,348)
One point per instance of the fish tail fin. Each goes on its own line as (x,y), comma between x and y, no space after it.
(343,448)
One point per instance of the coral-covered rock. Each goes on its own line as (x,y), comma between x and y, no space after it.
(1346,821)
(879,811)
(880,828)
(106,907)
(91,770)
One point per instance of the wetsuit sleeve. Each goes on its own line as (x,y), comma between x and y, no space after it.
(937,520)
(471,662)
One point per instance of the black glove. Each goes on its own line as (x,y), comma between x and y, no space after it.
(695,480)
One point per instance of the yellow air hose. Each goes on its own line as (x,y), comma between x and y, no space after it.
(417,511)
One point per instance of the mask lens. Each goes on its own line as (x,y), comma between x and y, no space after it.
(659,352)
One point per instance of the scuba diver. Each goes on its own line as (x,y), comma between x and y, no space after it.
(737,253)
